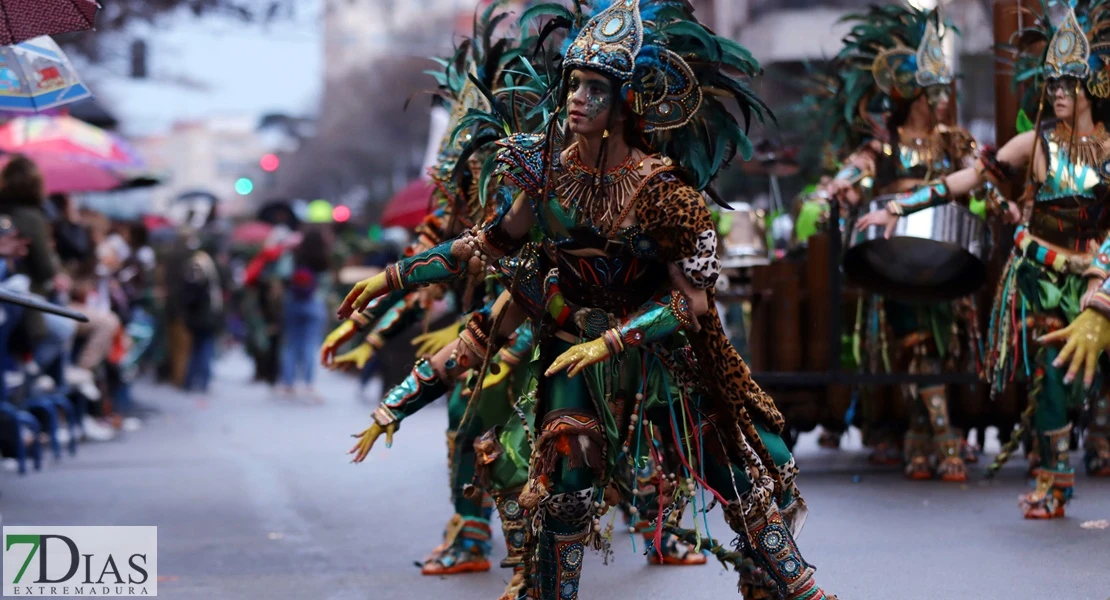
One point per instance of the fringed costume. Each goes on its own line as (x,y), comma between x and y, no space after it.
(621,286)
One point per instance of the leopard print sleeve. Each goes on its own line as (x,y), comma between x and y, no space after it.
(676,217)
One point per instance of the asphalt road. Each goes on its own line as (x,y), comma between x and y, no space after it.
(254,498)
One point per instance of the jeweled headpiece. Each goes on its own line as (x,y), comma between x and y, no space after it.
(1068,51)
(610,41)
(1067,39)
(901,72)
(674,74)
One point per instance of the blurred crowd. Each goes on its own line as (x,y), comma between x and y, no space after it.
(160,302)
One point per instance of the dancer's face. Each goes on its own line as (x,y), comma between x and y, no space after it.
(1067,97)
(589,101)
(940,99)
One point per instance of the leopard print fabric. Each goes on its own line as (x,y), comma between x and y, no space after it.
(675,215)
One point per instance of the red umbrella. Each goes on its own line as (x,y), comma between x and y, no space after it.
(409,206)
(26,19)
(63,174)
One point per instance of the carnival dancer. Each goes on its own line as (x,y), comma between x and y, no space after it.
(1057,264)
(895,85)
(630,343)
(478,61)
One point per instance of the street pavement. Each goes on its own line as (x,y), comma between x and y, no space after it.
(254,497)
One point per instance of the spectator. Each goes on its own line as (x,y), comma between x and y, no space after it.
(307,279)
(23,198)
(202,304)
(71,237)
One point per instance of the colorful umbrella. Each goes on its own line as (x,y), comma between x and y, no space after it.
(36,76)
(67,137)
(64,175)
(26,19)
(409,206)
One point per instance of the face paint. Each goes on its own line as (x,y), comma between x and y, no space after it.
(598,97)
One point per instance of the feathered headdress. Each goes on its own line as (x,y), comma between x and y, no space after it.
(476,63)
(675,75)
(1067,39)
(891,54)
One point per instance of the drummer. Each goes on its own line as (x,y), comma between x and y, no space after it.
(1060,257)
(901,141)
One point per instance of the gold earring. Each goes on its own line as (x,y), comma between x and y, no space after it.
(605,134)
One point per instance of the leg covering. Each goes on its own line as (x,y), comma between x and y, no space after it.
(1096,446)
(1055,480)
(772,549)
(567,527)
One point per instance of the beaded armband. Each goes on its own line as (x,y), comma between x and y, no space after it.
(931,195)
(1099,266)
(360,320)
(384,417)
(660,318)
(990,168)
(1098,301)
(475,336)
(375,340)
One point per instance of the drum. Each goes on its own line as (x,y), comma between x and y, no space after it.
(746,242)
(937,254)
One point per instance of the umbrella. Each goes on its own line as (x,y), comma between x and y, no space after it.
(36,76)
(65,175)
(251,232)
(279,212)
(67,137)
(409,206)
(26,19)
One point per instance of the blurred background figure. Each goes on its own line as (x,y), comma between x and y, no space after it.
(202,300)
(307,276)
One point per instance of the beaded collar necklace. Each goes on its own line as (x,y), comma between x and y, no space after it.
(600,199)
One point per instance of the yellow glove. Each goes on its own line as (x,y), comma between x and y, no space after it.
(355,359)
(579,357)
(1084,340)
(361,295)
(432,342)
(367,438)
(335,339)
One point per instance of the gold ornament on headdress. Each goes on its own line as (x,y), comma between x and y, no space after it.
(932,69)
(1068,51)
(891,76)
(1099,82)
(901,71)
(610,41)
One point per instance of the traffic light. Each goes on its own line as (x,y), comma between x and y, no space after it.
(270,163)
(244,186)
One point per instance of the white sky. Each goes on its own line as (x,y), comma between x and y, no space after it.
(247,70)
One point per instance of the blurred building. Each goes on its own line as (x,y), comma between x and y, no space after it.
(218,156)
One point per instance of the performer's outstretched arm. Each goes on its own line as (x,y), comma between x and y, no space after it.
(990,167)
(430,379)
(449,260)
